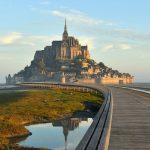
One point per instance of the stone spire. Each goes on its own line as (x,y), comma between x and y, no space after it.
(65,29)
(65,34)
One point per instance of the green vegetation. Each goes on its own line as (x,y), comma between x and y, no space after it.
(22,107)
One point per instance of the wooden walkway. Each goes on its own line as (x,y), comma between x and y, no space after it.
(97,136)
(122,123)
(130,121)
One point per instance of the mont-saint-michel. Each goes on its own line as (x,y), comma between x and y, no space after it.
(67,60)
(67,71)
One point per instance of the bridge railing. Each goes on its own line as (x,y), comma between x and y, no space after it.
(75,87)
(98,134)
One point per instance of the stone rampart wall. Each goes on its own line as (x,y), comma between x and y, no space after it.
(107,80)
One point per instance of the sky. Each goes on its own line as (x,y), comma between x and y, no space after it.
(117,32)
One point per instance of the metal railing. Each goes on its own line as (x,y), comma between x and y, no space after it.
(98,134)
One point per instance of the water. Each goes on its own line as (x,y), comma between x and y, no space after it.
(137,89)
(139,85)
(59,135)
(142,87)
(4,86)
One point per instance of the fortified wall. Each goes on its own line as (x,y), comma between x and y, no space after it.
(107,80)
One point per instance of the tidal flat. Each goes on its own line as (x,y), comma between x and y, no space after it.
(19,108)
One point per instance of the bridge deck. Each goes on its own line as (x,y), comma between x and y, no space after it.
(130,122)
(130,128)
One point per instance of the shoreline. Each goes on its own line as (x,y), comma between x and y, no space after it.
(19,147)
(74,114)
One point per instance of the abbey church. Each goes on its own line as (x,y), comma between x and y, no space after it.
(68,48)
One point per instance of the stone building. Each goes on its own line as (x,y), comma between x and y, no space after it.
(68,48)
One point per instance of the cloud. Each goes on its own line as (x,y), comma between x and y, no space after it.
(85,40)
(116,46)
(32,8)
(108,47)
(17,39)
(124,46)
(45,2)
(131,34)
(10,38)
(40,41)
(76,16)
(21,39)
(100,28)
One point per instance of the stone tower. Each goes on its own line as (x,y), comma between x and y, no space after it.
(65,34)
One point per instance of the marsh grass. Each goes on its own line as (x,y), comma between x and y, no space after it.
(22,107)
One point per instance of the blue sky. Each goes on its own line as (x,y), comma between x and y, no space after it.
(117,32)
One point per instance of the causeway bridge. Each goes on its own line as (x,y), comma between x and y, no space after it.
(122,122)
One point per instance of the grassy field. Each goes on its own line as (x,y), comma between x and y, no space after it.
(21,107)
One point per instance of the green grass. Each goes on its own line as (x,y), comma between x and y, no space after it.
(20,107)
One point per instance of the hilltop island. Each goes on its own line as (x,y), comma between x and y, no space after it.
(68,61)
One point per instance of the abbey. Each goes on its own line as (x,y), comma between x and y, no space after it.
(67,61)
(68,48)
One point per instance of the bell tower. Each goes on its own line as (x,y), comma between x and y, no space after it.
(65,33)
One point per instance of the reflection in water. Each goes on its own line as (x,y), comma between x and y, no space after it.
(63,134)
(68,125)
